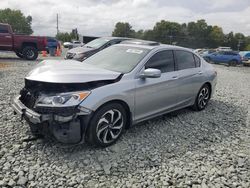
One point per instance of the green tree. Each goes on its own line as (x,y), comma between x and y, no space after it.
(123,29)
(166,32)
(65,37)
(216,37)
(192,35)
(19,23)
(139,34)
(247,47)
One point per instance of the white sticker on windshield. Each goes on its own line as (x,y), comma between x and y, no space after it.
(136,51)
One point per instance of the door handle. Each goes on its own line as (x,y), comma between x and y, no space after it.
(7,36)
(200,72)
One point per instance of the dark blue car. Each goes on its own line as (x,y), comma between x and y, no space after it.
(229,57)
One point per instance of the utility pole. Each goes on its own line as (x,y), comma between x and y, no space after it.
(239,44)
(57,28)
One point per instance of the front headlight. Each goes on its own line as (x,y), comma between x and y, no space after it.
(62,99)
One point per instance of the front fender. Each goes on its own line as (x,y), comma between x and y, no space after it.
(122,90)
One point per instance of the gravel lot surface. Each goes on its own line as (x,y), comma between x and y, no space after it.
(182,149)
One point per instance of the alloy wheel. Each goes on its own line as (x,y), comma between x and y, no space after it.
(109,126)
(203,97)
(30,54)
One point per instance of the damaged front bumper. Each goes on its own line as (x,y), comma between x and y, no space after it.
(66,129)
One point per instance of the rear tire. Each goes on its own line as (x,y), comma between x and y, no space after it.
(233,63)
(30,53)
(107,125)
(202,98)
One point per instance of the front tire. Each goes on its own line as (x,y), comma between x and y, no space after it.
(106,125)
(30,53)
(202,98)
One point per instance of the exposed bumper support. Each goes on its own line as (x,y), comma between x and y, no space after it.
(22,110)
(65,129)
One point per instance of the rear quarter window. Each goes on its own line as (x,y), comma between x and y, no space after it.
(197,61)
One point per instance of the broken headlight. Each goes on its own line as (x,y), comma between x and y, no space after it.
(62,99)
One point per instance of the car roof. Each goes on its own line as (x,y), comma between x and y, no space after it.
(160,46)
(5,24)
(112,38)
(141,42)
(244,52)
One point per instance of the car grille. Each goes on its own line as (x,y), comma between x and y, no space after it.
(27,98)
(70,55)
(63,111)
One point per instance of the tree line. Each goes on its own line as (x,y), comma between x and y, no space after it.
(192,35)
(20,24)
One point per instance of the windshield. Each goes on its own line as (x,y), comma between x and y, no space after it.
(121,59)
(97,43)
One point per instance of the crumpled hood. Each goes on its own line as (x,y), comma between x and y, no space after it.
(69,71)
(80,50)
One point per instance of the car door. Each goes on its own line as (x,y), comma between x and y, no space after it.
(154,95)
(228,56)
(190,77)
(5,38)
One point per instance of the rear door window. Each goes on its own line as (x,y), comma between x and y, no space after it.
(185,60)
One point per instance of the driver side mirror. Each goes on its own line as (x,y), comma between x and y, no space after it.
(151,73)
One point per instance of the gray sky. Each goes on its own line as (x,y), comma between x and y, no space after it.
(98,17)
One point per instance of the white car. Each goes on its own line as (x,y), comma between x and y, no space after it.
(224,49)
(73,44)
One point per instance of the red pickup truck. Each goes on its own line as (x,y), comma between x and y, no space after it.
(23,45)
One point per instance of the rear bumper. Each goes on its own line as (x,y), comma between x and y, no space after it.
(247,63)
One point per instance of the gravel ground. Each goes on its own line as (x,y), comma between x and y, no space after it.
(182,149)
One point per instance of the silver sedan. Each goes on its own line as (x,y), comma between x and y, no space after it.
(125,84)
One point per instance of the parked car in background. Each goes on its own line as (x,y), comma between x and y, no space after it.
(245,57)
(224,49)
(198,51)
(207,52)
(82,53)
(246,62)
(23,45)
(229,57)
(118,87)
(73,44)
